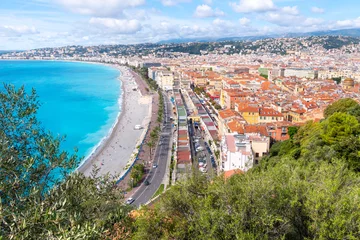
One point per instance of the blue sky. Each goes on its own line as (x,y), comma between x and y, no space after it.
(27,24)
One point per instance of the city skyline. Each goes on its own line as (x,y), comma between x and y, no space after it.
(40,23)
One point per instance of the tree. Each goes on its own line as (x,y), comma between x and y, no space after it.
(136,174)
(264,76)
(290,200)
(151,145)
(292,131)
(343,105)
(337,80)
(41,197)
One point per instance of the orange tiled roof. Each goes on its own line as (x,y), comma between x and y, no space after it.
(249,109)
(256,129)
(270,112)
(228,113)
(236,126)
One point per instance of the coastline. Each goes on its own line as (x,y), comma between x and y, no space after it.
(98,147)
(113,152)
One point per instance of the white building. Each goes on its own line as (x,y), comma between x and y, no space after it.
(236,152)
(301,73)
(242,151)
(165,80)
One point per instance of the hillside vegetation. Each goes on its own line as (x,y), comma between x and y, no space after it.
(307,188)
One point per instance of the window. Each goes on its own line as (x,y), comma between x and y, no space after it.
(257,155)
(272,118)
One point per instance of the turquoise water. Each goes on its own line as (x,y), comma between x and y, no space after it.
(78,100)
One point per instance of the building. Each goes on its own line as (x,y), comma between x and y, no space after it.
(236,152)
(242,151)
(165,80)
(250,114)
(267,115)
(301,73)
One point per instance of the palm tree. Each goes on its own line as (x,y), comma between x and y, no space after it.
(150,144)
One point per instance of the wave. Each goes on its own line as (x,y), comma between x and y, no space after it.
(110,131)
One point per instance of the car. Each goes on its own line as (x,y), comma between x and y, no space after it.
(155,166)
(138,127)
(201,164)
(203,170)
(160,142)
(147,183)
(199,149)
(196,140)
(130,201)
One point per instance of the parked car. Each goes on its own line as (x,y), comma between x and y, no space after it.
(130,201)
(155,166)
(199,149)
(147,183)
(203,170)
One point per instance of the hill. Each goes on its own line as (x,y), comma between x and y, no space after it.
(353,32)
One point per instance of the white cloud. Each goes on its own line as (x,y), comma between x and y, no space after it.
(247,6)
(317,10)
(290,10)
(208,2)
(348,23)
(173,2)
(18,30)
(204,11)
(244,21)
(312,21)
(100,7)
(120,26)
(282,19)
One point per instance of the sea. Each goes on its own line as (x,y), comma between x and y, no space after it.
(79,100)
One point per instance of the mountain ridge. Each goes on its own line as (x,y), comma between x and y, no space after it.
(351,32)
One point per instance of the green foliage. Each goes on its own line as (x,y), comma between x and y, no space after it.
(292,131)
(264,75)
(291,200)
(137,173)
(337,80)
(35,202)
(199,90)
(144,74)
(345,105)
(159,191)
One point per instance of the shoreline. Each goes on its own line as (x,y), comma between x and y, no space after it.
(121,101)
(114,151)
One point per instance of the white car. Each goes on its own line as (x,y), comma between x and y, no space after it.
(203,170)
(138,127)
(130,201)
(199,149)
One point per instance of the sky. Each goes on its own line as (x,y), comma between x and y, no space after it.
(29,24)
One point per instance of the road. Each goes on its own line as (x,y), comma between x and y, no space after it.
(205,154)
(156,175)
